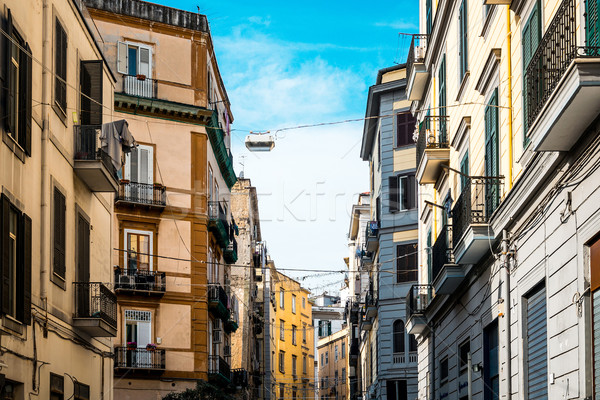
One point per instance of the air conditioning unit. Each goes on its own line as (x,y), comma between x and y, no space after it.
(217,337)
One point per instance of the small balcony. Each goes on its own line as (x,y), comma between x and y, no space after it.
(231,325)
(219,371)
(95,309)
(417,301)
(222,153)
(366,257)
(398,358)
(140,282)
(92,164)
(139,360)
(371,304)
(413,357)
(217,301)
(239,378)
(141,194)
(471,214)
(416,72)
(562,83)
(433,149)
(218,223)
(446,274)
(372,236)
(230,254)
(139,86)
(366,324)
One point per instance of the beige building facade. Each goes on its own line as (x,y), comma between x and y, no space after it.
(332,357)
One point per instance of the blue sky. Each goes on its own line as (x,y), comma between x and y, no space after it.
(293,63)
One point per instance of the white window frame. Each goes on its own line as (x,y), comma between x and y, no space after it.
(293,304)
(150,246)
(132,318)
(127,169)
(124,69)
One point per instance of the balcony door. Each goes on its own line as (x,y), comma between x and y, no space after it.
(139,171)
(135,62)
(138,330)
(138,256)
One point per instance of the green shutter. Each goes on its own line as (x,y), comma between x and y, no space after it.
(492,164)
(429,16)
(442,95)
(463,24)
(530,41)
(464,169)
(592,23)
(429,258)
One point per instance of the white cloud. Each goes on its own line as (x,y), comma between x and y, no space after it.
(400,24)
(265,21)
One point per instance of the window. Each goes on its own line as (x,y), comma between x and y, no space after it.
(281,330)
(322,360)
(324,328)
(81,391)
(442,99)
(138,327)
(294,392)
(343,375)
(59,238)
(134,59)
(57,387)
(462,40)
(336,378)
(293,304)
(403,192)
(463,356)
(15,257)
(429,256)
(304,364)
(412,343)
(397,390)
(398,329)
(139,250)
(326,357)
(16,88)
(281,298)
(336,353)
(303,332)
(303,302)
(60,67)
(536,349)
(444,371)
(282,361)
(406,263)
(343,350)
(491,377)
(492,162)
(281,391)
(293,334)
(139,168)
(531,36)
(90,99)
(294,360)
(464,169)
(405,126)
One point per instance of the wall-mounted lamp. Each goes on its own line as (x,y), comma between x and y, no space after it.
(477,367)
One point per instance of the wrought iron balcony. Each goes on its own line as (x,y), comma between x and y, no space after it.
(218,223)
(366,256)
(139,85)
(239,378)
(222,153)
(446,275)
(416,71)
(153,195)
(417,301)
(92,164)
(562,83)
(230,254)
(366,324)
(372,236)
(219,370)
(217,301)
(140,360)
(433,149)
(138,281)
(471,215)
(95,309)
(371,304)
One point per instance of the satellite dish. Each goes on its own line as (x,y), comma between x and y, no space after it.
(260,142)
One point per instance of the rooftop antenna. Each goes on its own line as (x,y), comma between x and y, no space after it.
(242,163)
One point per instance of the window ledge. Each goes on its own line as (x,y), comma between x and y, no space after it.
(12,324)
(488,21)
(12,144)
(463,85)
(62,115)
(58,281)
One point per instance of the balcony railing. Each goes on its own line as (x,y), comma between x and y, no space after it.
(138,280)
(217,301)
(92,164)
(418,299)
(218,369)
(432,135)
(441,252)
(139,85)
(413,357)
(239,378)
(479,199)
(372,229)
(230,254)
(95,302)
(139,358)
(416,53)
(142,193)
(398,358)
(218,223)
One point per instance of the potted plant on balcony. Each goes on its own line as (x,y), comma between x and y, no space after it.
(151,347)
(131,345)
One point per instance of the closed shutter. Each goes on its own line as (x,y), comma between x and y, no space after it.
(83,250)
(60,66)
(429,259)
(442,94)
(462,50)
(393,185)
(144,62)
(59,233)
(122,57)
(596,338)
(592,23)
(4,243)
(26,86)
(26,271)
(492,168)
(411,192)
(537,352)
(4,70)
(530,38)
(91,92)
(144,333)
(464,169)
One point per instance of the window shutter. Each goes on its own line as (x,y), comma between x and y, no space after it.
(6,49)
(91,92)
(592,23)
(537,346)
(4,243)
(122,58)
(411,192)
(27,63)
(442,95)
(144,62)
(393,184)
(60,66)
(24,271)
(59,233)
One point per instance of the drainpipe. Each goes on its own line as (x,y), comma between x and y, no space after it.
(469,377)
(432,363)
(44,155)
(510,110)
(505,293)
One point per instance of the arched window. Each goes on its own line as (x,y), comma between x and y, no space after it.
(398,336)
(412,343)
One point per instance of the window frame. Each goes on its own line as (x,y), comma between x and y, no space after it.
(404,120)
(282,330)
(401,197)
(282,361)
(59,237)
(61,48)
(293,304)
(294,342)
(282,298)
(405,255)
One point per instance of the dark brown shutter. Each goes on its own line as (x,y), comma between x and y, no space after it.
(393,185)
(83,250)
(6,48)
(400,263)
(4,243)
(91,92)
(59,233)
(60,65)
(27,232)
(411,192)
(28,93)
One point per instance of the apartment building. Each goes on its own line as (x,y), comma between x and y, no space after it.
(173,231)
(332,356)
(292,340)
(388,354)
(58,174)
(246,276)
(506,97)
